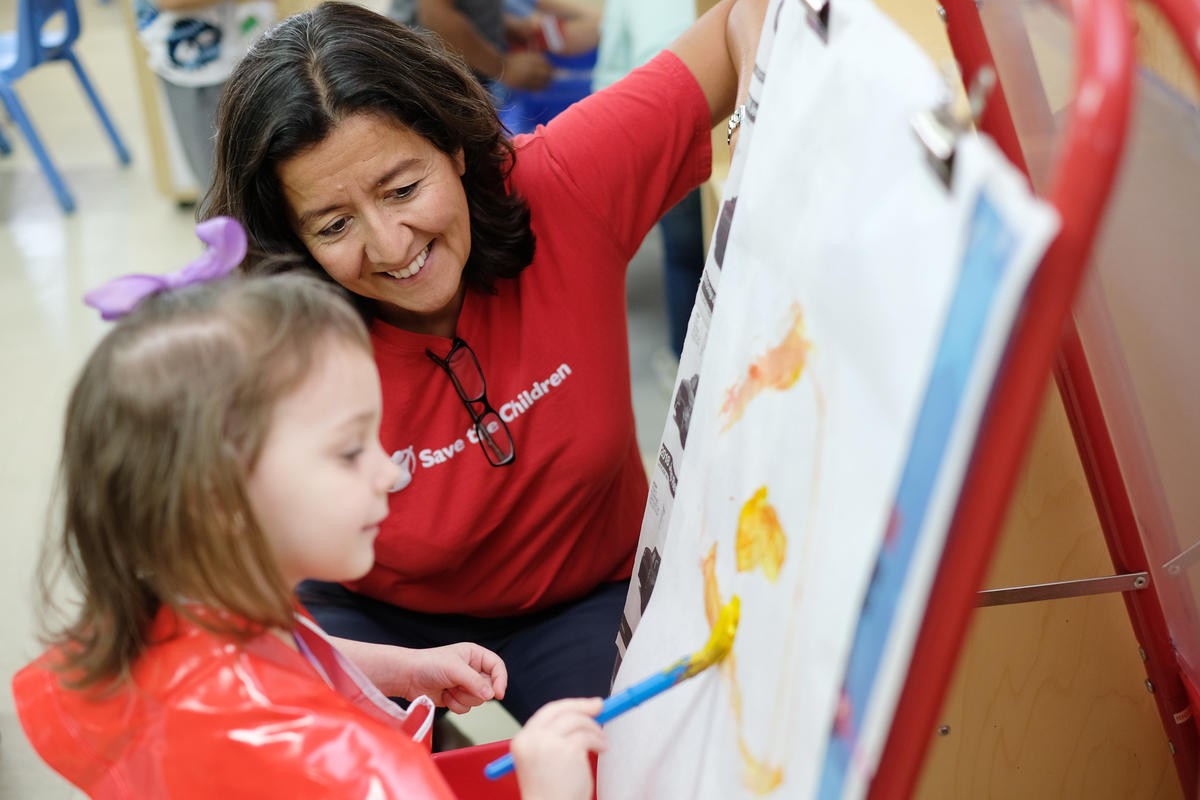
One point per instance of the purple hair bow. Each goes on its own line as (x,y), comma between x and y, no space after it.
(226,242)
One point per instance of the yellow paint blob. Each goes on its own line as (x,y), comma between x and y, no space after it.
(761,541)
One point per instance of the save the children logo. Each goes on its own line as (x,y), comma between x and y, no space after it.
(406,461)
(525,400)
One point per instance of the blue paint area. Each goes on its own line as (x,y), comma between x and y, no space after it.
(989,252)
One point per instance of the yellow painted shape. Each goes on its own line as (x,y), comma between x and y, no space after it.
(761,541)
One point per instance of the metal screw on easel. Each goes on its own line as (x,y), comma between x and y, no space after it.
(1149,686)
(942,13)
(1142,653)
(943,730)
(1171,746)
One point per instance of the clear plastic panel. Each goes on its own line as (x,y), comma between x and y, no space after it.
(1138,314)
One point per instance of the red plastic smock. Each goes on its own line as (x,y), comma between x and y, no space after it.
(206,716)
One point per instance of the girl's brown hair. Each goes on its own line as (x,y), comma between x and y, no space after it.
(166,419)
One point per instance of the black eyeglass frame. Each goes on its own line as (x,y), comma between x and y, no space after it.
(487,442)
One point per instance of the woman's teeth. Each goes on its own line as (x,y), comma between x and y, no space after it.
(415,266)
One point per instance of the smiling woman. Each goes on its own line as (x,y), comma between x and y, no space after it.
(373,158)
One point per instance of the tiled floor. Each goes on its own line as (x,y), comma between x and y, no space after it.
(47,262)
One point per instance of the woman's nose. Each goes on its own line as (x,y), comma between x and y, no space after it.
(387,242)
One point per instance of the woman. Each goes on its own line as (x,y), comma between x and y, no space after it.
(493,275)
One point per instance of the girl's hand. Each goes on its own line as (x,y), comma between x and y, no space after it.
(458,676)
(551,751)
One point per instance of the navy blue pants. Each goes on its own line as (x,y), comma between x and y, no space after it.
(564,651)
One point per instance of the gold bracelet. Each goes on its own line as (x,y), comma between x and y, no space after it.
(734,121)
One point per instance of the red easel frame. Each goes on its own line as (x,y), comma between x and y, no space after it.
(1082,181)
(1083,178)
(1173,693)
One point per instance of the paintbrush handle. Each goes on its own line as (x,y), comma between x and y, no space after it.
(613,707)
(499,768)
(640,692)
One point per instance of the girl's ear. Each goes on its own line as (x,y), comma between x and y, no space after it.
(460,161)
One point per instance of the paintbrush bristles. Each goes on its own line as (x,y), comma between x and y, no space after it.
(720,641)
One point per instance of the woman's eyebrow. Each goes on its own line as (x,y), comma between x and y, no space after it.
(307,217)
(402,166)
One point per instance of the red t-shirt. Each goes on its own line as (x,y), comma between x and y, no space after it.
(467,537)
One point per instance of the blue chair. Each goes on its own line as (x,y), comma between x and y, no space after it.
(31,46)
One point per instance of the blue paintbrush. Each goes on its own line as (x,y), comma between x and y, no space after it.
(720,641)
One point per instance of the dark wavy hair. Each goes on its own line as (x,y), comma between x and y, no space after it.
(313,70)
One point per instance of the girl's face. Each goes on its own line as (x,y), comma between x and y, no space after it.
(319,489)
(384,212)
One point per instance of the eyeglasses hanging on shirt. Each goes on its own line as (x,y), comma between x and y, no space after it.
(465,373)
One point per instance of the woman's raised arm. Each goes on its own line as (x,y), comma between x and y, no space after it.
(719,49)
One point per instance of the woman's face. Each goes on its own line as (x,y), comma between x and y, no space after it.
(384,212)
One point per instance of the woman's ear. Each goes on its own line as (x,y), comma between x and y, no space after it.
(460,161)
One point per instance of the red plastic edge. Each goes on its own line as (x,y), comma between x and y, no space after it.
(1083,176)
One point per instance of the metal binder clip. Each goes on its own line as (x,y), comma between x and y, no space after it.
(939,128)
(818,17)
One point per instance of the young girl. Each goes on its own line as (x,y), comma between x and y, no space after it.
(220,446)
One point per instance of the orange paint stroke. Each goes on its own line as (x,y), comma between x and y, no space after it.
(712,593)
(712,607)
(761,541)
(779,368)
(758,776)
